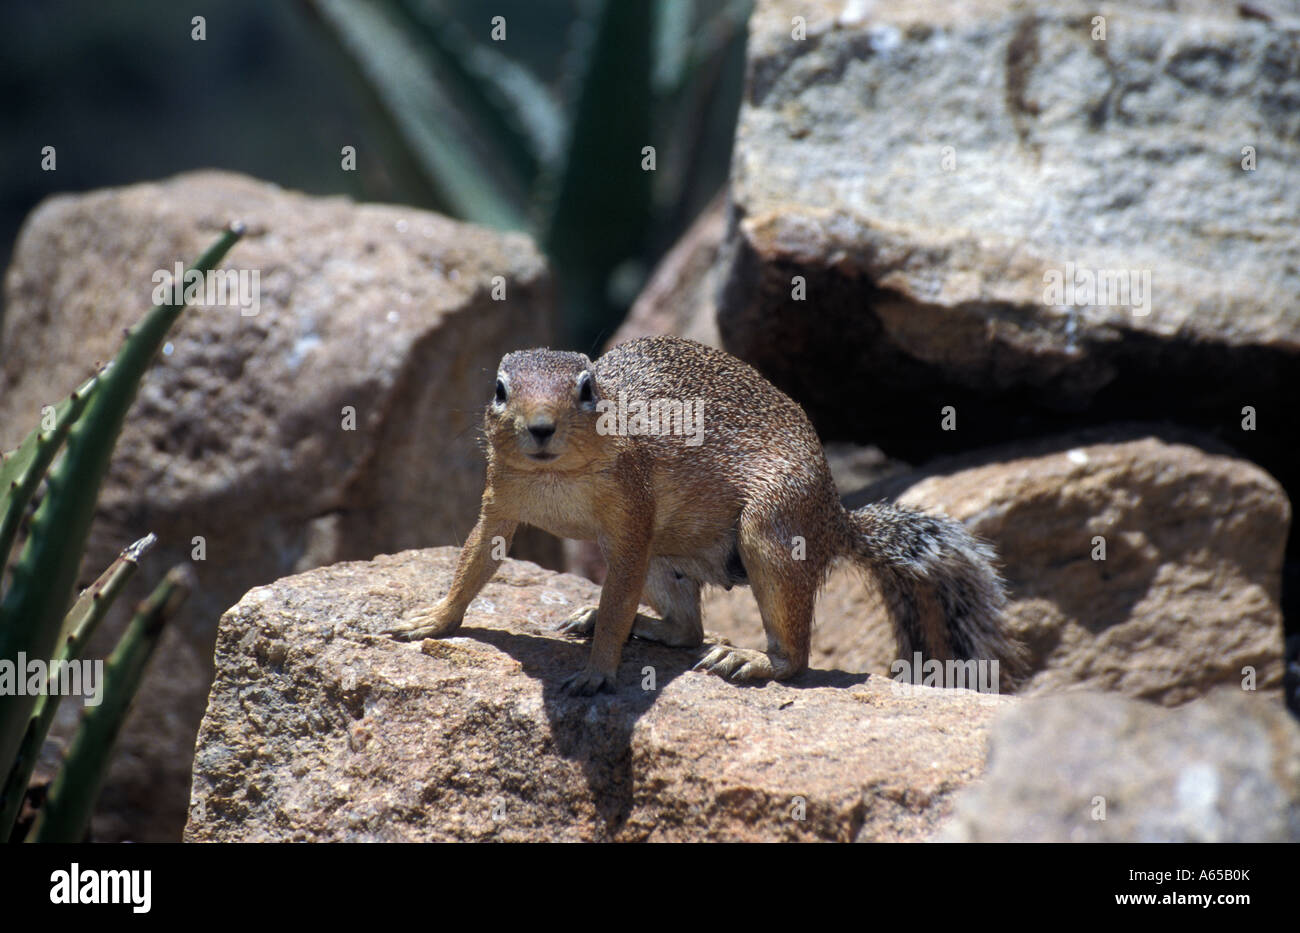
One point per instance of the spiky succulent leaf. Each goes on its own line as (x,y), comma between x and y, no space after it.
(78,626)
(505,101)
(600,213)
(67,810)
(477,179)
(32,611)
(22,470)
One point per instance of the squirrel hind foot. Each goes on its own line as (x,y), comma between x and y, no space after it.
(588,682)
(745,664)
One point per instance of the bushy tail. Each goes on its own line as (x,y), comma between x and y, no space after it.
(940,584)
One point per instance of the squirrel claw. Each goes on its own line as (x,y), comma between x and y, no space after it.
(580,624)
(404,634)
(430,624)
(736,664)
(587,682)
(407,633)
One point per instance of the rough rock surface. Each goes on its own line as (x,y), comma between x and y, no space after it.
(1225,768)
(319,729)
(1187,596)
(926,286)
(238,433)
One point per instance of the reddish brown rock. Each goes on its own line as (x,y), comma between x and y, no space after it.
(1187,598)
(319,729)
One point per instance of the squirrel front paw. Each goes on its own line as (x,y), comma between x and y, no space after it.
(437,622)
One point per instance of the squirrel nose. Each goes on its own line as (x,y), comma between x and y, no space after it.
(541,431)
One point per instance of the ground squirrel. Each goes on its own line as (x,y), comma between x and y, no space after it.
(687,467)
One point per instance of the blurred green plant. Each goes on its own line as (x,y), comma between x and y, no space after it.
(35,620)
(492,143)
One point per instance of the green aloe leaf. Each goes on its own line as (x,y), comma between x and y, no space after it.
(601,204)
(71,801)
(505,101)
(41,587)
(22,470)
(78,626)
(469,171)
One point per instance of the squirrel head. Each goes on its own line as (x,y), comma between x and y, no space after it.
(543,414)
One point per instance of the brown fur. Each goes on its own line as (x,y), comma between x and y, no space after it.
(754,503)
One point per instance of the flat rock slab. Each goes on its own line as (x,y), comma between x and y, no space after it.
(318,728)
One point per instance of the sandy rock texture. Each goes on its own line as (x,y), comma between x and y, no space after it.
(319,729)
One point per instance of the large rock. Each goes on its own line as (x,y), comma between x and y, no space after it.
(927,282)
(318,729)
(238,435)
(1098,768)
(1186,599)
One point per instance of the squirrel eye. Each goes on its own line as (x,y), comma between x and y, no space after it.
(501,391)
(586,390)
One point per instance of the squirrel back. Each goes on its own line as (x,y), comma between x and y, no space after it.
(939,582)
